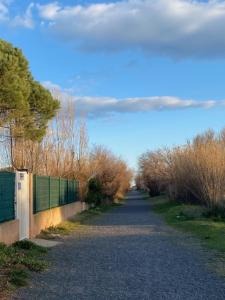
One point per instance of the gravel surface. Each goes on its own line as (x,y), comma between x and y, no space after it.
(127,253)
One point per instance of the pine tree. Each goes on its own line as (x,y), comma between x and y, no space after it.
(25,105)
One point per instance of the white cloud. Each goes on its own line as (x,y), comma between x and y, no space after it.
(25,20)
(103,106)
(51,86)
(3,10)
(16,20)
(49,11)
(174,28)
(95,107)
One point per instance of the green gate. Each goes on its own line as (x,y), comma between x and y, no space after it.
(7,196)
(50,192)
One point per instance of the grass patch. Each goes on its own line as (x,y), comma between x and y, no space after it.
(193,219)
(16,261)
(67,227)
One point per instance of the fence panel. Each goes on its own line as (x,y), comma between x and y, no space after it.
(63,191)
(50,192)
(71,191)
(7,196)
(54,192)
(41,193)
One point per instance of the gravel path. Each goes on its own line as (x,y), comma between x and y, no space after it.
(127,253)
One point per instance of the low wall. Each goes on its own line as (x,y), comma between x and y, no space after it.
(53,217)
(9,232)
(12,231)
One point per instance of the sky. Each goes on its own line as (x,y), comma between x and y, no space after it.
(145,73)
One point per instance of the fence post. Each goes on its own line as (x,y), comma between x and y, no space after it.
(35,194)
(67,194)
(59,192)
(49,194)
(78,190)
(23,203)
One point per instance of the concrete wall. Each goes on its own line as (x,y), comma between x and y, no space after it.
(53,217)
(9,232)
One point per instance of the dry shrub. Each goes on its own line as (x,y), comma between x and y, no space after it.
(194,172)
(64,152)
(153,171)
(111,171)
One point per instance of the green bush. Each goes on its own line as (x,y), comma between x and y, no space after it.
(94,195)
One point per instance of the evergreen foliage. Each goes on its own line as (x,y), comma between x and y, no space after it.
(25,105)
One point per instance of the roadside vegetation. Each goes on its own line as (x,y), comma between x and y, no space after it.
(15,263)
(191,173)
(187,186)
(194,219)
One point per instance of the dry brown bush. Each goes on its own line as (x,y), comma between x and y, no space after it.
(153,171)
(111,171)
(194,172)
(64,152)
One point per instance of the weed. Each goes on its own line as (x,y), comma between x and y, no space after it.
(16,260)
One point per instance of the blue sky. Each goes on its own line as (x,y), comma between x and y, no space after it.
(146,73)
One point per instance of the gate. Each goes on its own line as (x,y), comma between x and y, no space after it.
(14,200)
(7,196)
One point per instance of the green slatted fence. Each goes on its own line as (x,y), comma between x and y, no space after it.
(50,192)
(7,196)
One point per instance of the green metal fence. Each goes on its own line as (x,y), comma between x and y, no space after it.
(7,196)
(50,192)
